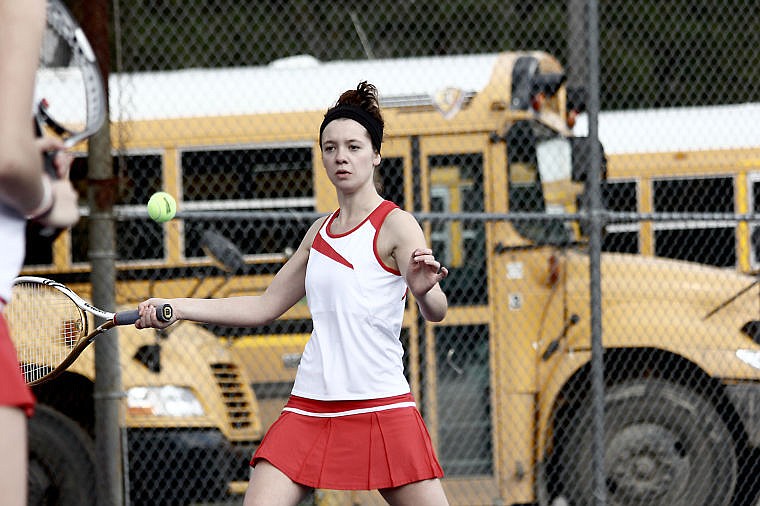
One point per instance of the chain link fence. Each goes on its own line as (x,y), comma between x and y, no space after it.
(219,103)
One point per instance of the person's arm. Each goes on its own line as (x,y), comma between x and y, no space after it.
(23,184)
(21,172)
(286,289)
(417,263)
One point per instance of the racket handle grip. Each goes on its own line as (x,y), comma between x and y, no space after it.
(164,313)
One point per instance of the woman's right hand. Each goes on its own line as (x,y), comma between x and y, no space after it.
(149,317)
(65,210)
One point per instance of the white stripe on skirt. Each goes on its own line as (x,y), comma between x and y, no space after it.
(351,411)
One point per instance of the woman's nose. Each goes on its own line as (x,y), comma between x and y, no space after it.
(340,154)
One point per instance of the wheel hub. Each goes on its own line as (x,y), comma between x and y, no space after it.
(646,462)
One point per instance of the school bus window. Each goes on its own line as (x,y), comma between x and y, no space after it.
(701,195)
(406,358)
(439,236)
(39,248)
(138,176)
(390,179)
(462,378)
(754,207)
(270,179)
(456,186)
(621,196)
(250,236)
(246,174)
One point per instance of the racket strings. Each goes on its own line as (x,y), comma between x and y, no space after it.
(45,326)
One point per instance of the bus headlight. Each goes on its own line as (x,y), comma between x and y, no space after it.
(167,400)
(749,357)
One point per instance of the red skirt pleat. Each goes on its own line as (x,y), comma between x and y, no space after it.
(367,451)
(13,389)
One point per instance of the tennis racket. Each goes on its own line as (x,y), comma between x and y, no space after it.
(69,94)
(50,326)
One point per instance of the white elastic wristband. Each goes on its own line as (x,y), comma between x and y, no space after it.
(46,204)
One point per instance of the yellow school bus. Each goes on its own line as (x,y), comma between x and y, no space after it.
(709,157)
(479,147)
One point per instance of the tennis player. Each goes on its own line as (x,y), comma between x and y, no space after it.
(351,422)
(25,193)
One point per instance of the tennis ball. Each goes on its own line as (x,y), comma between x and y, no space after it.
(161,207)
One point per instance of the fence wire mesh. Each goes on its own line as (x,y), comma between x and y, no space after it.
(219,103)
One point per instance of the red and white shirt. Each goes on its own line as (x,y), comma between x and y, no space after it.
(357,308)
(12,231)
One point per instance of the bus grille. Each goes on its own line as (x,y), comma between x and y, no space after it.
(233,393)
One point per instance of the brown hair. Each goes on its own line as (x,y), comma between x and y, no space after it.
(362,105)
(365,97)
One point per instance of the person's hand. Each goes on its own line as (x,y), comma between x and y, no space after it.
(62,159)
(65,210)
(424,272)
(149,318)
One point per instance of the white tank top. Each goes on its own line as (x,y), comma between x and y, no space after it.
(357,307)
(12,232)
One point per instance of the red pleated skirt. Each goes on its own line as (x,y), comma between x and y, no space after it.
(364,449)
(13,389)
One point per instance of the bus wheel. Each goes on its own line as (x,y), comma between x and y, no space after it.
(61,461)
(664,445)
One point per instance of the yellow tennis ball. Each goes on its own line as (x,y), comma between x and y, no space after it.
(162,207)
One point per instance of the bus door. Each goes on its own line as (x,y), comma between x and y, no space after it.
(455,355)
(528,289)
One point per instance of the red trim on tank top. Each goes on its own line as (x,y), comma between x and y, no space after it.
(378,218)
(319,244)
(335,215)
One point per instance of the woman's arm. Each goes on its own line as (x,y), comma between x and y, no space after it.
(285,290)
(402,236)
(21,172)
(23,184)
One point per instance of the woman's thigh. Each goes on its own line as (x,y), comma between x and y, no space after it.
(268,486)
(420,493)
(13,456)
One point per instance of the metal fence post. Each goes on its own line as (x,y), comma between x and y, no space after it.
(596,219)
(102,190)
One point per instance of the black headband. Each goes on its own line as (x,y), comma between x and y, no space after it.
(373,126)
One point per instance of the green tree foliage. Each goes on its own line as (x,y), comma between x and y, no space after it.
(653,53)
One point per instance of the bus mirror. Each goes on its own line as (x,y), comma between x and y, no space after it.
(576,99)
(576,104)
(581,147)
(523,72)
(548,84)
(530,88)
(222,252)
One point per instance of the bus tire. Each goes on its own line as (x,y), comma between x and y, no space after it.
(664,446)
(61,461)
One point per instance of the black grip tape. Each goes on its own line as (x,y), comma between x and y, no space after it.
(164,313)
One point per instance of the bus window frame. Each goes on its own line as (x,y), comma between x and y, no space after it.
(702,225)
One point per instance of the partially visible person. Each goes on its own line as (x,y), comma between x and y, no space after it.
(26,192)
(351,421)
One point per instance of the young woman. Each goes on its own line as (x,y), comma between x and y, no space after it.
(351,422)
(25,193)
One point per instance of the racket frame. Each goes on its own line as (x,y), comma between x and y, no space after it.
(62,24)
(112,320)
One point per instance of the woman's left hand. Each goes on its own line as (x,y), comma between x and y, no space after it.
(424,271)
